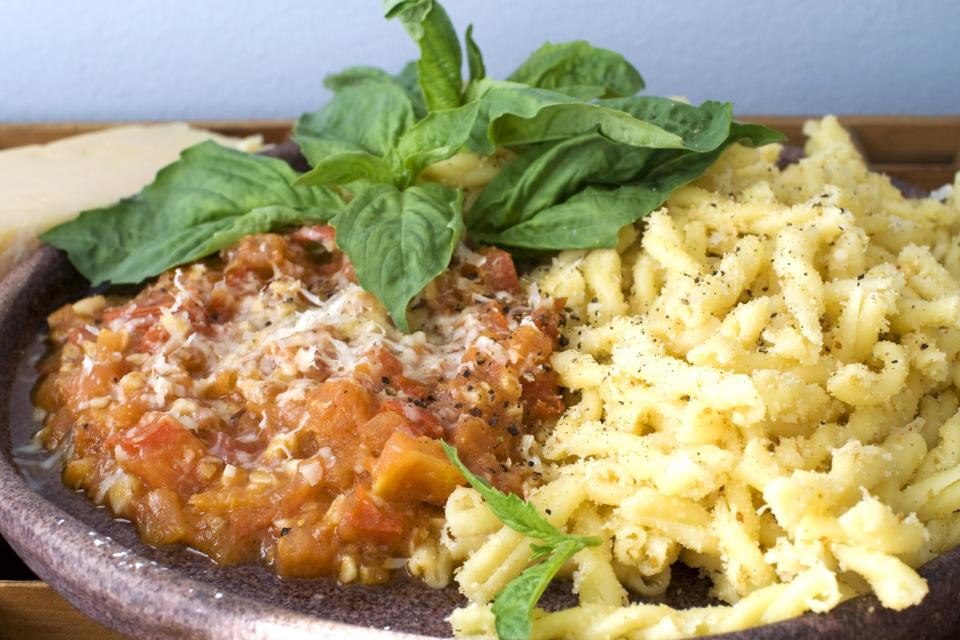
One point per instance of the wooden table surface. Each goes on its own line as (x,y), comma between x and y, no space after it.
(31,609)
(920,150)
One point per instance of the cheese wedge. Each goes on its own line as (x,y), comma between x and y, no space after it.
(43,185)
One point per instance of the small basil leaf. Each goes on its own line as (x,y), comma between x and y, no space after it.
(205,201)
(440,56)
(441,134)
(344,168)
(474,58)
(580,70)
(368,117)
(589,219)
(399,241)
(513,606)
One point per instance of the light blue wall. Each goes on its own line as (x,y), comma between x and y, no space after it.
(146,59)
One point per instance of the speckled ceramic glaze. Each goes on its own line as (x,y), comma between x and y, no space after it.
(100,565)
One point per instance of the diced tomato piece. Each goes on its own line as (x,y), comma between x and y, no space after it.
(142,315)
(384,370)
(498,271)
(476,440)
(163,453)
(414,469)
(390,365)
(67,323)
(148,305)
(529,348)
(377,430)
(335,261)
(96,382)
(492,317)
(305,552)
(547,318)
(339,405)
(335,410)
(420,421)
(541,397)
(222,305)
(481,448)
(364,519)
(153,339)
(79,334)
(161,519)
(264,255)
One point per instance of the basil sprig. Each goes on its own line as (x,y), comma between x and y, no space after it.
(514,605)
(590,156)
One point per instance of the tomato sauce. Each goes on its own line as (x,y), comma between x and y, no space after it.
(259,406)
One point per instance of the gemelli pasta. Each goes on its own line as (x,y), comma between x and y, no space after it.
(762,384)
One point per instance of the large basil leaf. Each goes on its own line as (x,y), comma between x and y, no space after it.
(360,125)
(205,201)
(529,204)
(580,70)
(547,175)
(511,114)
(367,117)
(440,57)
(564,120)
(399,241)
(592,218)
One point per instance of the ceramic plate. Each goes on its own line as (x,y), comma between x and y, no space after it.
(99,564)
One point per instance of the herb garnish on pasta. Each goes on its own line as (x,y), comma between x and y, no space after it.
(513,606)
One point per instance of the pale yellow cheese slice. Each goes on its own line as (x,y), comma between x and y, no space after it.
(43,185)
